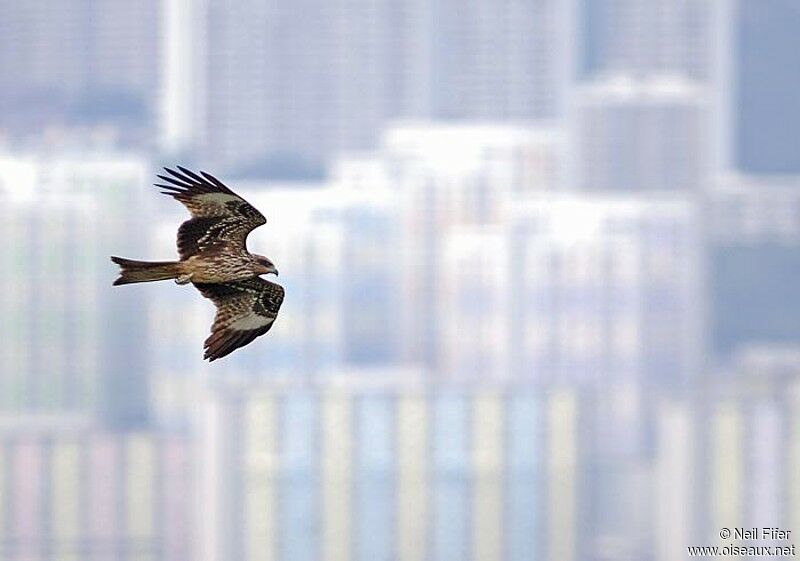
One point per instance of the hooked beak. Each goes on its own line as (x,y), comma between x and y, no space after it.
(271,269)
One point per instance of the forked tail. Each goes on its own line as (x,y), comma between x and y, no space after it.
(145,271)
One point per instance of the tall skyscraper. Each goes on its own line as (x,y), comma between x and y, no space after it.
(474,297)
(183,92)
(286,87)
(754,231)
(646,37)
(63,217)
(605,291)
(70,491)
(449,176)
(79,64)
(676,481)
(491,473)
(685,44)
(507,61)
(289,85)
(642,135)
(366,212)
(447,474)
(765,75)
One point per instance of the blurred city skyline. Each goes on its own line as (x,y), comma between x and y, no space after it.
(165,76)
(540,262)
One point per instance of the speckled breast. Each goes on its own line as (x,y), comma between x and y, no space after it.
(219,268)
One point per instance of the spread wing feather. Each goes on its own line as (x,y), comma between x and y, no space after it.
(246,309)
(220,217)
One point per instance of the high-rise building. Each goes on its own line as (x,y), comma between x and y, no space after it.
(446,475)
(473,301)
(573,290)
(508,61)
(764,74)
(646,37)
(79,64)
(367,214)
(63,217)
(754,236)
(642,135)
(749,414)
(605,290)
(449,176)
(717,456)
(754,209)
(289,85)
(182,91)
(70,491)
(676,481)
(490,473)
(282,88)
(655,109)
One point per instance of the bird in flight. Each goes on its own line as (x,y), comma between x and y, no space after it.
(214,258)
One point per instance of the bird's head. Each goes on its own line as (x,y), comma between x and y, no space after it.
(264,266)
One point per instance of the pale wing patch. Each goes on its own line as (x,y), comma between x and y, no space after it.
(250,322)
(217,198)
(206,196)
(246,309)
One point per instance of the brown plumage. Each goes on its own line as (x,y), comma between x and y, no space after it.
(245,309)
(213,256)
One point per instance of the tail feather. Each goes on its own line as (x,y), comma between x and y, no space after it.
(145,271)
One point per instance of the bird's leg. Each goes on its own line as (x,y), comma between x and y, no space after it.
(184,279)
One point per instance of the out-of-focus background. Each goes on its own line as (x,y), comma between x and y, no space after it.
(541,263)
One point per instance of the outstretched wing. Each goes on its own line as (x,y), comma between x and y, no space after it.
(220,217)
(245,310)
